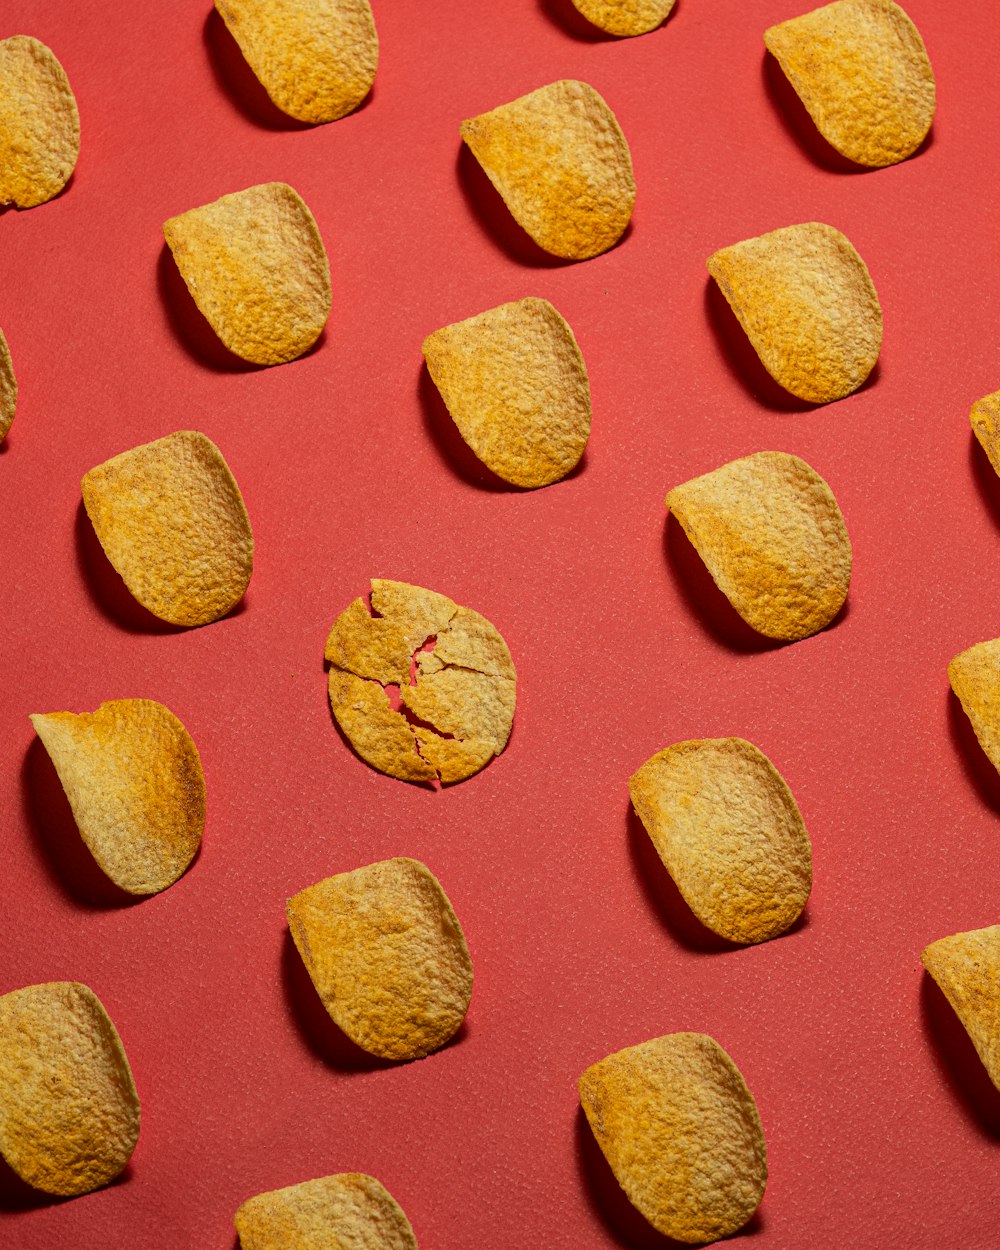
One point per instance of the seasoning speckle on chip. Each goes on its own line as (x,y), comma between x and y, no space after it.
(8,389)
(967,968)
(771,534)
(171,520)
(985,421)
(256,266)
(625,17)
(39,123)
(516,386)
(861,70)
(560,161)
(349,1211)
(387,956)
(69,1111)
(975,678)
(134,781)
(682,1134)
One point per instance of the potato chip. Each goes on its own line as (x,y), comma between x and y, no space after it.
(8,389)
(560,161)
(134,781)
(771,534)
(39,124)
(730,834)
(69,1111)
(681,1132)
(387,956)
(457,709)
(256,267)
(967,968)
(861,70)
(516,386)
(807,304)
(975,678)
(350,1211)
(171,520)
(985,420)
(625,17)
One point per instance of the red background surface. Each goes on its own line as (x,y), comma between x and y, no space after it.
(882,1129)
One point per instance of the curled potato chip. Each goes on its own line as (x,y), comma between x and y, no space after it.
(69,1111)
(975,678)
(39,124)
(771,534)
(255,265)
(625,17)
(681,1132)
(134,781)
(861,69)
(349,1211)
(457,710)
(8,389)
(967,968)
(387,956)
(730,834)
(806,301)
(171,520)
(985,421)
(560,161)
(516,386)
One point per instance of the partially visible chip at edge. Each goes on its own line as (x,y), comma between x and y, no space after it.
(967,968)
(625,17)
(39,123)
(348,1211)
(975,678)
(8,389)
(985,421)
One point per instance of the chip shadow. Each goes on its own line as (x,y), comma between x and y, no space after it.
(984,476)
(957,1060)
(18,1195)
(189,326)
(975,762)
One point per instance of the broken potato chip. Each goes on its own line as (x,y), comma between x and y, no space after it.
(807,304)
(681,1131)
(975,678)
(730,834)
(771,534)
(861,70)
(8,389)
(558,158)
(625,17)
(171,520)
(985,421)
(349,1211)
(256,266)
(134,781)
(516,386)
(39,123)
(387,956)
(966,966)
(69,1111)
(454,713)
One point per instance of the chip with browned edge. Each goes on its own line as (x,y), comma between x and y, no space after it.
(446,720)
(560,161)
(8,388)
(861,69)
(69,1111)
(975,678)
(349,1211)
(316,59)
(771,534)
(171,520)
(625,17)
(985,421)
(681,1132)
(39,124)
(256,266)
(806,301)
(967,968)
(134,781)
(730,834)
(387,956)
(516,386)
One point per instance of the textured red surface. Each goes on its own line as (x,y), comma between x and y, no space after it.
(881,1128)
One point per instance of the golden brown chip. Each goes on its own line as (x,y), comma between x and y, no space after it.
(729,833)
(516,386)
(975,678)
(39,124)
(69,1111)
(985,420)
(256,267)
(681,1132)
(967,968)
(134,781)
(455,712)
(560,161)
(771,534)
(807,304)
(625,17)
(387,956)
(861,70)
(8,388)
(350,1211)
(171,520)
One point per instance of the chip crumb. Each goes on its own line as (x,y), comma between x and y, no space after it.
(966,966)
(975,678)
(625,18)
(39,123)
(8,389)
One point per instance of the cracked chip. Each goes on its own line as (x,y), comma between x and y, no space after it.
(69,1111)
(133,778)
(256,266)
(625,17)
(387,956)
(966,966)
(8,389)
(349,1211)
(861,70)
(39,123)
(681,1131)
(807,304)
(975,678)
(171,520)
(985,421)
(730,834)
(558,158)
(515,384)
(452,715)
(771,534)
